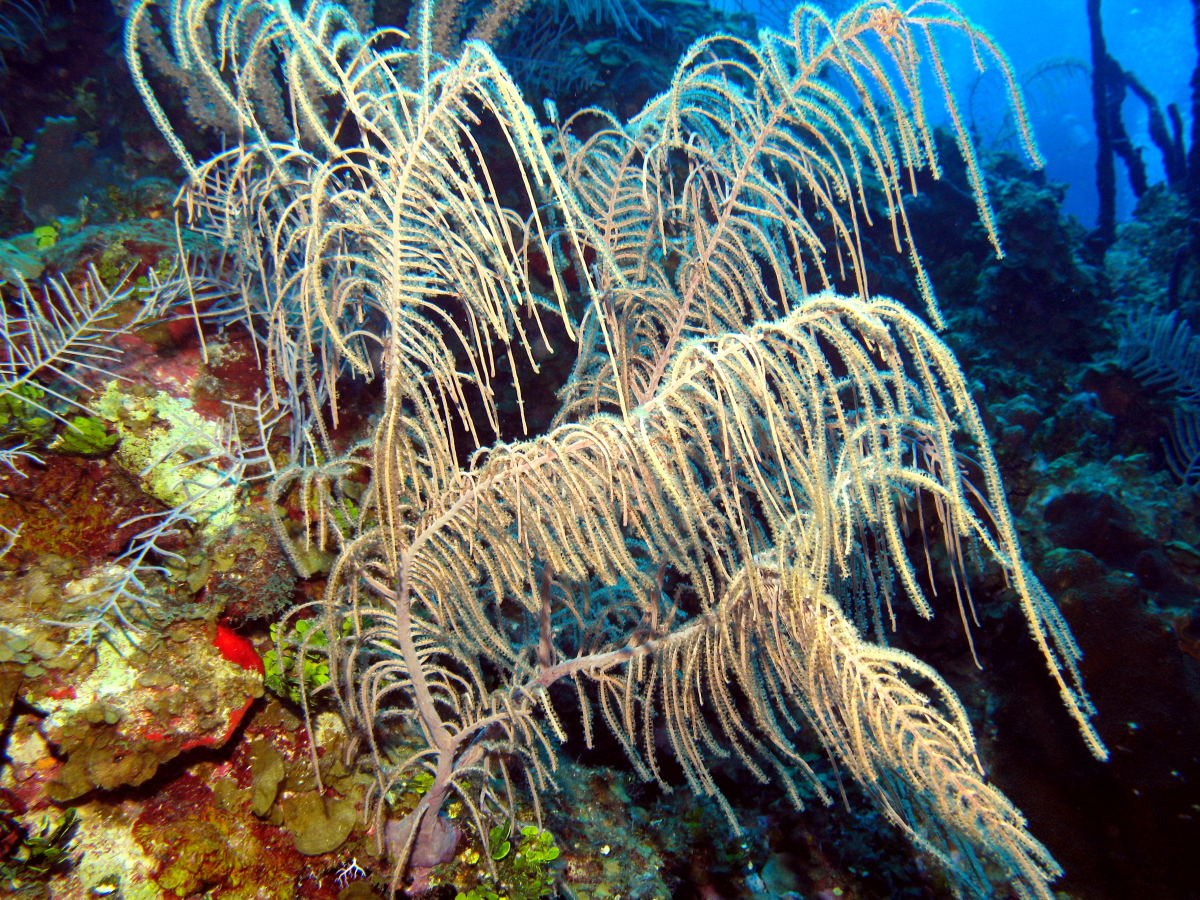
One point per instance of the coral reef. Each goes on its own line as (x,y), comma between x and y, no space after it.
(166,760)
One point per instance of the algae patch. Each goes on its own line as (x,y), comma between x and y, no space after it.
(179,456)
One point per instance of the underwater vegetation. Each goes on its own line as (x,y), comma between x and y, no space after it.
(480,498)
(720,495)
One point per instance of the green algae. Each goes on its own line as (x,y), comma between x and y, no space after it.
(167,445)
(269,772)
(84,436)
(317,824)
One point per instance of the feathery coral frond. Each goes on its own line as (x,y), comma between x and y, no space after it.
(730,420)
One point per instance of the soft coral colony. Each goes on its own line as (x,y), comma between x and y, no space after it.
(702,554)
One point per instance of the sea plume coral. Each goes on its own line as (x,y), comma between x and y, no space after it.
(732,424)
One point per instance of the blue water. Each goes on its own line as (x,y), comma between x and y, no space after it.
(1153,39)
